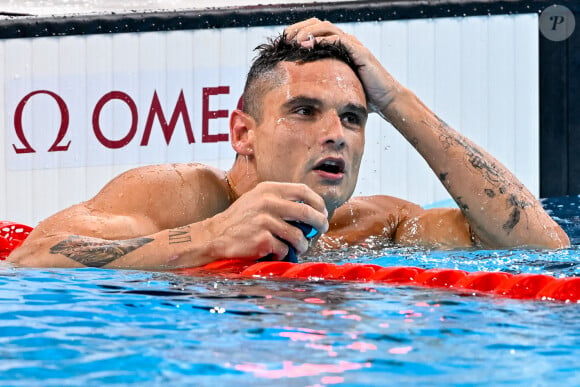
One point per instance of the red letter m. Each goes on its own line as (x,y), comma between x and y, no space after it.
(157,111)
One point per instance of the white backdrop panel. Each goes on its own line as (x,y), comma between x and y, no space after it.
(479,74)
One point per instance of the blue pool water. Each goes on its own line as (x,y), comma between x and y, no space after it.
(103,327)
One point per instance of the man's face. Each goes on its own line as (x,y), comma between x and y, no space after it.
(312,129)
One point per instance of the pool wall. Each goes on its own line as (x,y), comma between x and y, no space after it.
(86,97)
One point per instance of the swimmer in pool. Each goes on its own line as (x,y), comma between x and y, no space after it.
(299,141)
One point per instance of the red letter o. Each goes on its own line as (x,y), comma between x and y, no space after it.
(115,144)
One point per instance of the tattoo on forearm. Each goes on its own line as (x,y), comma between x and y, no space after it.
(496,176)
(490,171)
(446,140)
(464,207)
(414,142)
(94,252)
(179,235)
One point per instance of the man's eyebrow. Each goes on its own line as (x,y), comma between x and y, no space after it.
(310,101)
(356,108)
(302,100)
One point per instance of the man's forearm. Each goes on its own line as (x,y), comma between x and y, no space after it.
(501,211)
(167,249)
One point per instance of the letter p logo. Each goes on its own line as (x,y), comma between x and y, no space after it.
(557,23)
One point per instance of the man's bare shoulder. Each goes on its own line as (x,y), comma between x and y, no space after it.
(168,193)
(399,221)
(189,172)
(365,216)
(160,176)
(364,206)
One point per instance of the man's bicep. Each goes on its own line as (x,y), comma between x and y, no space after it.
(83,220)
(44,246)
(437,227)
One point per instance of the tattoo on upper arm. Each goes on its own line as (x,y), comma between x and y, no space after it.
(514,217)
(179,235)
(95,252)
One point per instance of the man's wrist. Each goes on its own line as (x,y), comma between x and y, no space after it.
(398,101)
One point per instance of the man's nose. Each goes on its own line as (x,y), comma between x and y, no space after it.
(333,131)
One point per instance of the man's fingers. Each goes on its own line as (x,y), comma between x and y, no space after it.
(319,29)
(295,202)
(323,31)
(294,192)
(304,213)
(279,249)
(292,30)
(292,235)
(326,39)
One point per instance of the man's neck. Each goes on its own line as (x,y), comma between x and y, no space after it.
(242,176)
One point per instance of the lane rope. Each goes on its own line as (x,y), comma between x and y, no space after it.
(499,284)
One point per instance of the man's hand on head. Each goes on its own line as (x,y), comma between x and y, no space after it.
(381,88)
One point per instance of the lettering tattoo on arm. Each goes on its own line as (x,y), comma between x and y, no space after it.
(95,252)
(179,235)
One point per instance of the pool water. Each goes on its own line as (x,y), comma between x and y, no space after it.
(104,327)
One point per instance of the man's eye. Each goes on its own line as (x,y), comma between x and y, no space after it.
(304,111)
(351,119)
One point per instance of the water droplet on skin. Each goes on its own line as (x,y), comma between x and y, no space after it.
(351,210)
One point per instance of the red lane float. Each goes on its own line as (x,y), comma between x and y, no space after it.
(11,236)
(519,286)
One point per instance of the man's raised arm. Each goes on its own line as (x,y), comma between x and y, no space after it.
(501,212)
(499,208)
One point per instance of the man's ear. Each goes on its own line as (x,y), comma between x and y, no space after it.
(242,133)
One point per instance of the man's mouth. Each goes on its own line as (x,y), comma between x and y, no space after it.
(331,167)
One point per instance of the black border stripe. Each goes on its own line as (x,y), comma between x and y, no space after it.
(553,118)
(559,68)
(25,27)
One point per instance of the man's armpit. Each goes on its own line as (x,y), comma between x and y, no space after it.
(94,252)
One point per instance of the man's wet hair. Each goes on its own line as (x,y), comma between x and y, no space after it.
(263,75)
